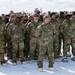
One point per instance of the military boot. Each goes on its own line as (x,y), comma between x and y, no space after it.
(22,57)
(40,66)
(64,59)
(14,58)
(2,59)
(73,59)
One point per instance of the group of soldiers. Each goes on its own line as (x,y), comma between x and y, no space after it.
(36,36)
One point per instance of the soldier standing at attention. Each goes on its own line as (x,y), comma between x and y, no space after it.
(73,36)
(16,31)
(2,41)
(26,36)
(32,27)
(45,38)
(66,27)
(60,19)
(55,24)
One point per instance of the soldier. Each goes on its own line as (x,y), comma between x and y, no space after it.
(45,38)
(73,36)
(8,37)
(26,36)
(2,41)
(32,27)
(61,37)
(24,19)
(30,18)
(66,31)
(16,31)
(55,24)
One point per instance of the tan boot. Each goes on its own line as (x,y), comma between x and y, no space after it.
(22,57)
(14,58)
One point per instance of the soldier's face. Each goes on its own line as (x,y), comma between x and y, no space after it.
(73,16)
(31,18)
(0,20)
(17,20)
(25,18)
(53,16)
(68,18)
(12,19)
(36,19)
(47,20)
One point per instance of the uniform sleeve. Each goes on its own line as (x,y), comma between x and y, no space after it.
(23,28)
(72,30)
(4,29)
(39,31)
(9,30)
(62,28)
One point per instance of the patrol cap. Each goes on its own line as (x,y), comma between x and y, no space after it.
(25,15)
(68,16)
(62,13)
(17,17)
(45,16)
(53,13)
(35,15)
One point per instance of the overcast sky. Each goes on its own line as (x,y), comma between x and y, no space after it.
(29,5)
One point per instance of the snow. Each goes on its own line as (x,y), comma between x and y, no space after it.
(61,68)
(32,69)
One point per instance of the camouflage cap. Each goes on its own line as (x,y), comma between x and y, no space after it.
(35,15)
(68,16)
(53,13)
(45,16)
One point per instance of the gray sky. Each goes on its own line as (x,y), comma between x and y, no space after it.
(28,5)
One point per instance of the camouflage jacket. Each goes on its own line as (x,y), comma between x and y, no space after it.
(56,25)
(73,28)
(66,28)
(32,28)
(16,31)
(2,31)
(45,33)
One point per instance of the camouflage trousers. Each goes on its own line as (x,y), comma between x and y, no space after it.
(42,51)
(56,47)
(2,46)
(66,44)
(73,46)
(17,45)
(26,46)
(60,37)
(33,43)
(9,48)
(26,43)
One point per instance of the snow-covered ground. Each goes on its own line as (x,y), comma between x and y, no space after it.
(31,69)
(61,68)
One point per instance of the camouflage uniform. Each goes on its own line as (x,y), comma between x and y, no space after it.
(66,31)
(32,27)
(55,24)
(2,41)
(26,40)
(8,42)
(16,31)
(8,37)
(61,37)
(45,38)
(73,36)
